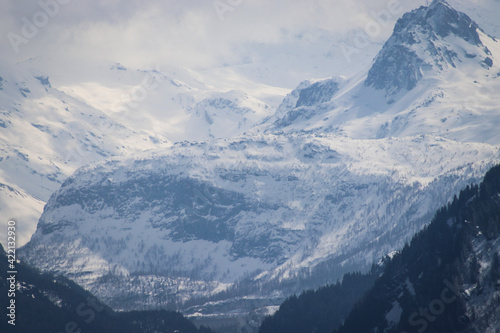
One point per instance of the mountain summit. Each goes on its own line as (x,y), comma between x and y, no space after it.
(437,74)
(428,38)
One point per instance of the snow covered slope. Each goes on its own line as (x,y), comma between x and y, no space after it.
(46,133)
(437,74)
(217,212)
(346,171)
(179,104)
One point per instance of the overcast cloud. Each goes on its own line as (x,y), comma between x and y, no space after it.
(193,33)
(189,33)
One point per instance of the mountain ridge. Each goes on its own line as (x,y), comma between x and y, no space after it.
(439,19)
(326,188)
(420,81)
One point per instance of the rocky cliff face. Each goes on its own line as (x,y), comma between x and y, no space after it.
(200,216)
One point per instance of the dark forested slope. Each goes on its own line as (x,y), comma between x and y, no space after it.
(53,304)
(448,278)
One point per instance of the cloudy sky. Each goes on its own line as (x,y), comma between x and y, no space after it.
(197,33)
(190,33)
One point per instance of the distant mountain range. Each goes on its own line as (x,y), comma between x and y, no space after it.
(46,133)
(345,172)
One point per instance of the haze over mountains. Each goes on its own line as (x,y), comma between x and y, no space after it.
(222,190)
(345,171)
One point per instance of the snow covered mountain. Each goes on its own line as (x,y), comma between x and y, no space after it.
(346,171)
(217,212)
(228,114)
(46,133)
(437,74)
(425,40)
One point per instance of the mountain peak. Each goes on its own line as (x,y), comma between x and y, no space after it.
(439,19)
(421,41)
(440,4)
(445,20)
(305,100)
